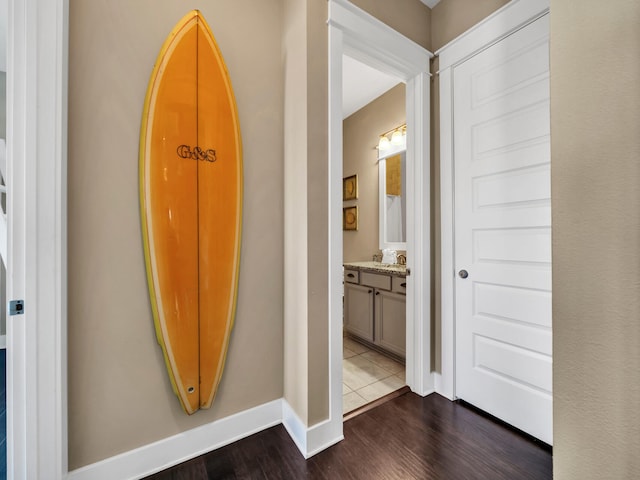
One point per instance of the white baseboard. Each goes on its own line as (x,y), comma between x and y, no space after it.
(425,393)
(310,440)
(163,454)
(442,387)
(295,427)
(171,451)
(323,435)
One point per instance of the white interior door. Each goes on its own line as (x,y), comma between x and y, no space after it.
(503,230)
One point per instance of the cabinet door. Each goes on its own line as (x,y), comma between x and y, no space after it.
(358,310)
(390,321)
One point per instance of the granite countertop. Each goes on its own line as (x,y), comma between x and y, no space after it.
(377,267)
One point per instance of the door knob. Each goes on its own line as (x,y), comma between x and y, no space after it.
(463,274)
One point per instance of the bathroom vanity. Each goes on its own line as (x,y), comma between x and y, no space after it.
(375,305)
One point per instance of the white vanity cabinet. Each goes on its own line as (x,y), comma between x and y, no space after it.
(374,309)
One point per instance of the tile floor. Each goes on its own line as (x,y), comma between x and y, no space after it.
(367,375)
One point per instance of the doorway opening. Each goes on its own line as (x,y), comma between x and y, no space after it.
(374,221)
(354,33)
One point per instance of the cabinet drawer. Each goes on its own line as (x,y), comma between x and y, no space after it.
(375,280)
(399,285)
(351,276)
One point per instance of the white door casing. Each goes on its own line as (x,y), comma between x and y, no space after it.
(368,40)
(36,250)
(501,137)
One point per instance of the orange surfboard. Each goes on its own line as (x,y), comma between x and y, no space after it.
(191,205)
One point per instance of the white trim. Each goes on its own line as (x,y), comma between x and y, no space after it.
(295,427)
(504,21)
(374,43)
(322,435)
(37,266)
(497,26)
(3,157)
(446,380)
(3,234)
(418,342)
(309,440)
(393,149)
(333,428)
(163,454)
(3,189)
(358,34)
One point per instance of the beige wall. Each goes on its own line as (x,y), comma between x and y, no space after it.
(595,178)
(120,397)
(449,19)
(412,18)
(306,377)
(360,135)
(296,345)
(306,285)
(318,152)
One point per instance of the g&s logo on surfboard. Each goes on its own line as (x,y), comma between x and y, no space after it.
(196,153)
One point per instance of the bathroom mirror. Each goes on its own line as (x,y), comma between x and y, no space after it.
(393,197)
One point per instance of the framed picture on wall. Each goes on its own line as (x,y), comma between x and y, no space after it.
(350,188)
(350,218)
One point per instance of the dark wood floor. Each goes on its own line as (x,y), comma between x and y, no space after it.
(408,437)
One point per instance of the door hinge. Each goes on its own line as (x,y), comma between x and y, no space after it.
(16,307)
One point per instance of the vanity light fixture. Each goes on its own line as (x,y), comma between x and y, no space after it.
(396,138)
(384,143)
(398,135)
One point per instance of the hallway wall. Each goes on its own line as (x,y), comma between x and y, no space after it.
(412,18)
(120,397)
(595,178)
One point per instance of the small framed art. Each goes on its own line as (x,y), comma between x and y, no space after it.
(350,188)
(350,218)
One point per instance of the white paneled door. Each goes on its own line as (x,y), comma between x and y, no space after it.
(503,230)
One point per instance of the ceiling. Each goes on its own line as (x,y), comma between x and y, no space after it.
(430,3)
(362,84)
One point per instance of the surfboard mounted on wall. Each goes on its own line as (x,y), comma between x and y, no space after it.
(191,208)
